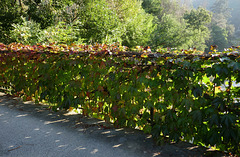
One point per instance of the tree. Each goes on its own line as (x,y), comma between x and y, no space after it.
(99,22)
(219,37)
(42,12)
(169,33)
(222,31)
(121,21)
(161,7)
(137,25)
(27,32)
(153,7)
(169,24)
(10,12)
(197,21)
(177,26)
(235,18)
(220,7)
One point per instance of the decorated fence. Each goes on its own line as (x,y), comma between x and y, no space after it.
(172,95)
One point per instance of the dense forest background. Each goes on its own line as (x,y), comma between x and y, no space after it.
(181,24)
(225,16)
(233,5)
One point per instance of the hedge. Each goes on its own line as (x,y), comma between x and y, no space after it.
(172,95)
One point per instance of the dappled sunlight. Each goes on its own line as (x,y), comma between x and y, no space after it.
(56,121)
(94,151)
(110,136)
(28,137)
(47,134)
(156,154)
(23,115)
(69,113)
(193,147)
(121,129)
(149,136)
(106,132)
(80,148)
(117,145)
(81,130)
(11,146)
(61,146)
(59,133)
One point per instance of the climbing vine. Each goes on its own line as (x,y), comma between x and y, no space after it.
(176,95)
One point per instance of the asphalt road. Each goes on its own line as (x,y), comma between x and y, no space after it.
(28,130)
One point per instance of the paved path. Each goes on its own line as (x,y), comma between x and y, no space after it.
(28,130)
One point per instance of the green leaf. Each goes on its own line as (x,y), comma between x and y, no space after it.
(160,106)
(197,116)
(214,120)
(219,103)
(214,137)
(197,91)
(228,120)
(187,103)
(234,65)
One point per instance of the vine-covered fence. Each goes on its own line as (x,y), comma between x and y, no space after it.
(175,96)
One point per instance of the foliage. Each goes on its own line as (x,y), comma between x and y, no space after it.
(160,7)
(225,16)
(220,7)
(219,37)
(153,7)
(165,94)
(100,23)
(170,32)
(177,27)
(10,13)
(137,24)
(27,33)
(222,30)
(42,12)
(197,21)
(61,33)
(116,21)
(129,22)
